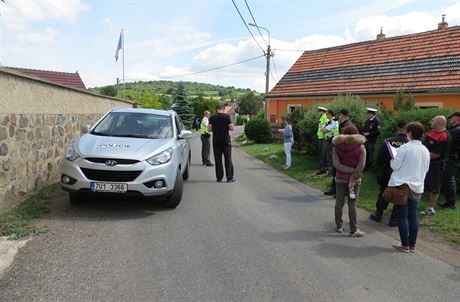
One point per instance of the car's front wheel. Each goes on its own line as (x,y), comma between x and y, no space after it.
(174,199)
(186,174)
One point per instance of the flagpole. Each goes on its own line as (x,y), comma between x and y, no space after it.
(123,63)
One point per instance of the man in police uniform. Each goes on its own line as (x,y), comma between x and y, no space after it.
(205,140)
(371,131)
(384,173)
(323,120)
(449,186)
(330,130)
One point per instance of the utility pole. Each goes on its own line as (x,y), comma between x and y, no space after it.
(268,55)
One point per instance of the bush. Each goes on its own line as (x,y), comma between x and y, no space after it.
(305,120)
(241,119)
(259,131)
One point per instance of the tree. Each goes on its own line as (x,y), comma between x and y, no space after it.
(250,104)
(183,108)
(109,91)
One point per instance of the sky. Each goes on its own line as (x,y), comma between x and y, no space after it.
(177,39)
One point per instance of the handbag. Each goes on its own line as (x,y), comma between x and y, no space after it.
(397,195)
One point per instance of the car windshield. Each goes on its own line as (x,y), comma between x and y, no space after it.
(133,124)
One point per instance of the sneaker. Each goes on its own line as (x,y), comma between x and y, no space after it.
(376,217)
(393,222)
(209,165)
(412,249)
(219,180)
(330,193)
(231,180)
(286,167)
(339,230)
(428,211)
(401,248)
(357,233)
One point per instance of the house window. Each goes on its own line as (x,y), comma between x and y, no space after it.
(426,105)
(292,107)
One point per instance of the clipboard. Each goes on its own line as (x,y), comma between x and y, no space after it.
(392,150)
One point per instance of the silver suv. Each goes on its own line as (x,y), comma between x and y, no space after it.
(130,151)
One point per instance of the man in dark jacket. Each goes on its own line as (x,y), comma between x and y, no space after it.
(449,186)
(371,131)
(384,172)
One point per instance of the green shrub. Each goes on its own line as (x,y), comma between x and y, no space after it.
(241,119)
(259,131)
(305,120)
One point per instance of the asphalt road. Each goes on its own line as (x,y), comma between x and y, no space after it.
(265,237)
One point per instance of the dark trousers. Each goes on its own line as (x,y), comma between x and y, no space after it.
(322,164)
(408,223)
(381,205)
(449,186)
(205,148)
(327,154)
(226,151)
(370,148)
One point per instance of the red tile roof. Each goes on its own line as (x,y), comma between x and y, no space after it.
(428,61)
(63,78)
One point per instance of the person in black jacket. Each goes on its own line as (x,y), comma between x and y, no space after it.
(384,173)
(449,186)
(371,131)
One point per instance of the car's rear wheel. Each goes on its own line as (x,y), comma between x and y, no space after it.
(174,199)
(75,198)
(186,174)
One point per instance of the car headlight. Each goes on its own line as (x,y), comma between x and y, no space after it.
(70,154)
(161,158)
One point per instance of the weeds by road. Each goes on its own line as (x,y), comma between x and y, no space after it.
(304,167)
(16,223)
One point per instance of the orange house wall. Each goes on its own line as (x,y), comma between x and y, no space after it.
(278,106)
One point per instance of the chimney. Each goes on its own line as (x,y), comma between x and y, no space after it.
(443,24)
(381,35)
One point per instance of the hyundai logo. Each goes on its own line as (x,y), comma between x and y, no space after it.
(111,163)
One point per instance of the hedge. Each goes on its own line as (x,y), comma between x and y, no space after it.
(258,130)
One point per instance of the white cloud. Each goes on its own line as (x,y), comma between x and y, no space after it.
(47,36)
(453,14)
(409,23)
(18,14)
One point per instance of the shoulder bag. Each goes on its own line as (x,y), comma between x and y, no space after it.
(397,195)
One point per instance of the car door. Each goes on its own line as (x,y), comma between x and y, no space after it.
(183,144)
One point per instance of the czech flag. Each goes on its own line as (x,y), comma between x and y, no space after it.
(119,46)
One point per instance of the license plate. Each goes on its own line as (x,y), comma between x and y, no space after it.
(108,187)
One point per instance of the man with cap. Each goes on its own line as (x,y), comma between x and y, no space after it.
(344,121)
(384,172)
(371,131)
(449,187)
(323,120)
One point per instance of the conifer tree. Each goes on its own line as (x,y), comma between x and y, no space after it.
(182,106)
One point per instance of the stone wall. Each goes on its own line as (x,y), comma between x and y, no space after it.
(38,121)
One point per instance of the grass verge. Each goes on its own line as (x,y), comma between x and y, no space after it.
(15,224)
(305,166)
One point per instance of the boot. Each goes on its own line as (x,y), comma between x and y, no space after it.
(377,215)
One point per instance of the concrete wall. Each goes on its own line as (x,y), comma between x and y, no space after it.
(38,120)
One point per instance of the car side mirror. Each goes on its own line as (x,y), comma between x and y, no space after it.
(85,129)
(185,134)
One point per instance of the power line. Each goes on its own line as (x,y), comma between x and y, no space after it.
(279,49)
(274,65)
(203,71)
(253,19)
(242,19)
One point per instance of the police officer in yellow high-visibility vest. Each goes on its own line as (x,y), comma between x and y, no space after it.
(205,140)
(323,120)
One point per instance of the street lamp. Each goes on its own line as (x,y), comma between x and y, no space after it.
(267,54)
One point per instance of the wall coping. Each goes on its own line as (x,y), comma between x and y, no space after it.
(10,72)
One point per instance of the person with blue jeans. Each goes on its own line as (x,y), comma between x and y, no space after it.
(410,166)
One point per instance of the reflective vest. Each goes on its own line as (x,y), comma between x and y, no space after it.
(333,132)
(322,123)
(203,128)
